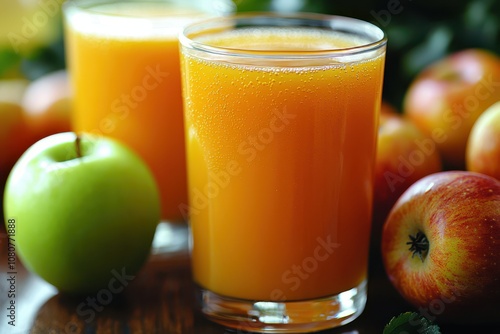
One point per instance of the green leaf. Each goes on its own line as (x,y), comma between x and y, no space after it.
(8,60)
(255,5)
(435,47)
(44,60)
(411,323)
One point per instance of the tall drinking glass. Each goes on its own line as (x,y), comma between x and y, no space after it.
(123,59)
(281,116)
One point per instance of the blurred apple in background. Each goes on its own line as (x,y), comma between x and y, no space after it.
(84,207)
(447,97)
(14,131)
(404,155)
(30,111)
(441,246)
(483,146)
(47,104)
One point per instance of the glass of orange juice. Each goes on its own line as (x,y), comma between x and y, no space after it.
(281,117)
(123,60)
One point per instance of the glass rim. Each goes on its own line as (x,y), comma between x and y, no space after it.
(86,7)
(334,22)
(126,20)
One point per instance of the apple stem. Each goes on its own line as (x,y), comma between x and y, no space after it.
(419,245)
(78,146)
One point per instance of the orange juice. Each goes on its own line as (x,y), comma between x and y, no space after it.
(124,65)
(280,166)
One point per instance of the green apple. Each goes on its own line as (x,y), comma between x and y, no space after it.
(84,208)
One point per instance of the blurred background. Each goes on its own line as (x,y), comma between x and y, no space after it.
(419,32)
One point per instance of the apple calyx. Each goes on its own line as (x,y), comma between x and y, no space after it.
(419,245)
(78,146)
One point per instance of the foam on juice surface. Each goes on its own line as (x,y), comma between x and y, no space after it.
(285,48)
(133,20)
(283,39)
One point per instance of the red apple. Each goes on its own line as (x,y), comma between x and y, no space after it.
(441,246)
(404,155)
(14,136)
(445,100)
(483,145)
(47,104)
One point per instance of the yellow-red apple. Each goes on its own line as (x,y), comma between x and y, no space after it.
(404,155)
(483,145)
(441,246)
(14,134)
(47,104)
(447,97)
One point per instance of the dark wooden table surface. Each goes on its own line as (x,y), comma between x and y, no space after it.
(160,300)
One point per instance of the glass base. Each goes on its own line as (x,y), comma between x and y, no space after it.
(171,238)
(303,316)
